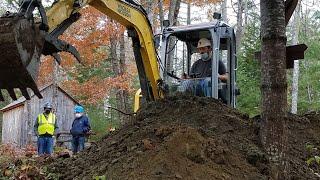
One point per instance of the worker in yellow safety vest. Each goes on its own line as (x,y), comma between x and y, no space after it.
(45,127)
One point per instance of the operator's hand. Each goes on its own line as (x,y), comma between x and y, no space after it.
(223,77)
(185,76)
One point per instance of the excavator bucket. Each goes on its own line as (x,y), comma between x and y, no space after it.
(20,51)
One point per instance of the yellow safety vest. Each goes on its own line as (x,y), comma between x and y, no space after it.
(46,125)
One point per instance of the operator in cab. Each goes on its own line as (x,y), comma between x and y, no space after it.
(199,81)
(202,67)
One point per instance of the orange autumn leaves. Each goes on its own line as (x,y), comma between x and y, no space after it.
(90,35)
(93,91)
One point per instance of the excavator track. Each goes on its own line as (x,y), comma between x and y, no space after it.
(20,51)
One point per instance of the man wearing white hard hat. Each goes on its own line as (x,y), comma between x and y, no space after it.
(202,71)
(202,67)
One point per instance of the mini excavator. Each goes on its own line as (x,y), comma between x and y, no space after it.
(24,38)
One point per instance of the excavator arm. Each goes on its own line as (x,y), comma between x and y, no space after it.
(128,13)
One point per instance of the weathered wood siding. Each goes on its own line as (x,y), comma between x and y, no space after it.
(64,111)
(11,126)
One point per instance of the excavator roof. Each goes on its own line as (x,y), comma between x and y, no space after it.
(192,33)
(195,27)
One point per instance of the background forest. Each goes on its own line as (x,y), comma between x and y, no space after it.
(108,75)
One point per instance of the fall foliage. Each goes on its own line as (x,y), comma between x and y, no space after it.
(93,80)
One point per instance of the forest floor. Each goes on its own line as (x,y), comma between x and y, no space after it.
(186,137)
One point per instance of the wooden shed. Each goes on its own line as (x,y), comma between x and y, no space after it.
(20,115)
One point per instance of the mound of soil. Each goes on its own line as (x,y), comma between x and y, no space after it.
(186,137)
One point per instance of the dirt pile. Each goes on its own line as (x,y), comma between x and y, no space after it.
(188,138)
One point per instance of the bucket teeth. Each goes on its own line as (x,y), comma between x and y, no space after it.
(12,93)
(36,91)
(25,93)
(1,96)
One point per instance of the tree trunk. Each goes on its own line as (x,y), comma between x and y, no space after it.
(55,84)
(274,85)
(173,18)
(149,9)
(119,69)
(174,11)
(115,66)
(189,13)
(245,9)
(224,11)
(161,14)
(123,95)
(113,53)
(239,30)
(295,78)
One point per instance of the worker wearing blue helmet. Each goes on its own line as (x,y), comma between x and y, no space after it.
(80,127)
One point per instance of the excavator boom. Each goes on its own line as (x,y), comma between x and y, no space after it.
(27,40)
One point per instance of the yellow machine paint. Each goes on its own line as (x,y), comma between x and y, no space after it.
(137,100)
(124,12)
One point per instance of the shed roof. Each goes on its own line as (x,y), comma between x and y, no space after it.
(22,99)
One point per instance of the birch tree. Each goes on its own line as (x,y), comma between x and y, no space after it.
(161,14)
(224,11)
(239,31)
(295,78)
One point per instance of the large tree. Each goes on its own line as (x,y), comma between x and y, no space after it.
(274,84)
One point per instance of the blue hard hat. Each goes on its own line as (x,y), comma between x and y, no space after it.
(78,109)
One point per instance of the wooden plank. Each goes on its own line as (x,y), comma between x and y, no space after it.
(295,52)
(12,126)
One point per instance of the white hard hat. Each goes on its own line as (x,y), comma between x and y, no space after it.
(47,105)
(203,42)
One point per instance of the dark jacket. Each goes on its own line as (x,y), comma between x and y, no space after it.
(201,69)
(80,126)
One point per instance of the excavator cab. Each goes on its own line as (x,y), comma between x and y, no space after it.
(179,52)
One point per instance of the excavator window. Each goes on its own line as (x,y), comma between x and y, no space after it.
(180,53)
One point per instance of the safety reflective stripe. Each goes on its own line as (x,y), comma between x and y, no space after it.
(46,125)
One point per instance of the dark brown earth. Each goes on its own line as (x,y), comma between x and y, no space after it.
(189,138)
